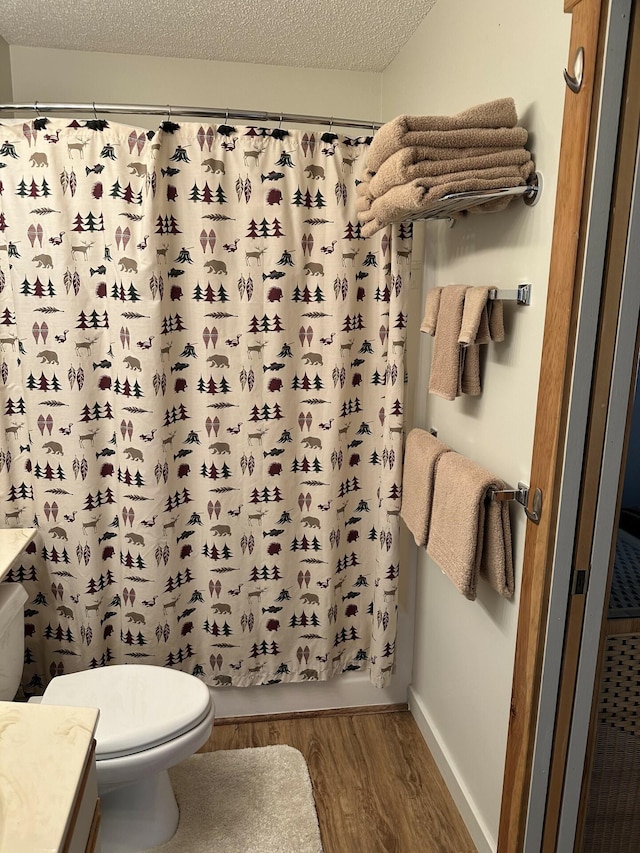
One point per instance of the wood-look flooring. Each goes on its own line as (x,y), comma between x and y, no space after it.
(376,786)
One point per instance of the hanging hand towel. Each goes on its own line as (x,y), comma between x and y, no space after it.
(394,135)
(446,359)
(482,321)
(474,330)
(470,534)
(431,308)
(421,456)
(474,316)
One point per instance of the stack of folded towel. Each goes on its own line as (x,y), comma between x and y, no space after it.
(460,318)
(415,160)
(446,505)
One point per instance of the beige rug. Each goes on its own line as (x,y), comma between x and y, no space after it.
(245,801)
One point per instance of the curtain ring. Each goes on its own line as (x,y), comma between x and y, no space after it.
(280,122)
(35,106)
(95,114)
(330,125)
(168,112)
(226,116)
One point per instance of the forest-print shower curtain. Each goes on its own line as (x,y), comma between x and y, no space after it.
(201,381)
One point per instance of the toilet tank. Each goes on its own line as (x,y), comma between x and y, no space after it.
(12,599)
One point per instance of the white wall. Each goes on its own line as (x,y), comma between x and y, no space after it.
(464,54)
(5,73)
(81,76)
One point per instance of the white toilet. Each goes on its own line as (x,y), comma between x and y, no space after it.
(151,718)
(12,599)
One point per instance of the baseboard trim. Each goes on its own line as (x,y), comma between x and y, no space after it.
(324,712)
(478,831)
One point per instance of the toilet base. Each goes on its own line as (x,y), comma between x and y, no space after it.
(139,816)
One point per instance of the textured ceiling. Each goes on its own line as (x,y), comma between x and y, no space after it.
(357,35)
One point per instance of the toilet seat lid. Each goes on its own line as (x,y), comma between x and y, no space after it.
(140,706)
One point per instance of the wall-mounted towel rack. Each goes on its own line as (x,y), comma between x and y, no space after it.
(521,294)
(446,207)
(521,495)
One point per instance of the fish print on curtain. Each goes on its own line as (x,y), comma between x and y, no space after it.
(201,380)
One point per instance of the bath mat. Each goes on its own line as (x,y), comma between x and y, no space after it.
(244,801)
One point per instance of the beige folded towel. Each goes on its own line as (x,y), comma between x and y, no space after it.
(469,534)
(446,360)
(431,308)
(371,225)
(402,201)
(482,321)
(495,309)
(433,152)
(482,318)
(407,164)
(473,332)
(470,383)
(395,134)
(503,137)
(427,181)
(474,315)
(421,456)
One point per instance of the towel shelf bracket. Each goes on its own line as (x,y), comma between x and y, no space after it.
(459,203)
(521,295)
(521,495)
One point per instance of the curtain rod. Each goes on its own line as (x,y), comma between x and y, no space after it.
(168,110)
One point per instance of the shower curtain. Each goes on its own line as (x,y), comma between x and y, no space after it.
(201,381)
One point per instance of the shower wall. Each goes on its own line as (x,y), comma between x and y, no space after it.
(5,72)
(81,76)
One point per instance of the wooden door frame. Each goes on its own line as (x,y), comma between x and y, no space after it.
(606,354)
(567,253)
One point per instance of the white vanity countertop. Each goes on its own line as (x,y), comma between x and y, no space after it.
(43,750)
(13,541)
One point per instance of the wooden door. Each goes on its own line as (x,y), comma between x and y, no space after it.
(565,281)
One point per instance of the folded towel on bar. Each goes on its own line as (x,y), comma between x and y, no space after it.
(421,455)
(470,535)
(475,320)
(402,201)
(482,322)
(471,137)
(431,308)
(402,130)
(365,197)
(446,359)
(470,383)
(408,163)
(467,356)
(482,318)
(436,152)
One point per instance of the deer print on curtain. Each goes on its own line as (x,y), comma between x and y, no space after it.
(201,380)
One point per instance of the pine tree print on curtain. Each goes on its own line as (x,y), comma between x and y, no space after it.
(201,380)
